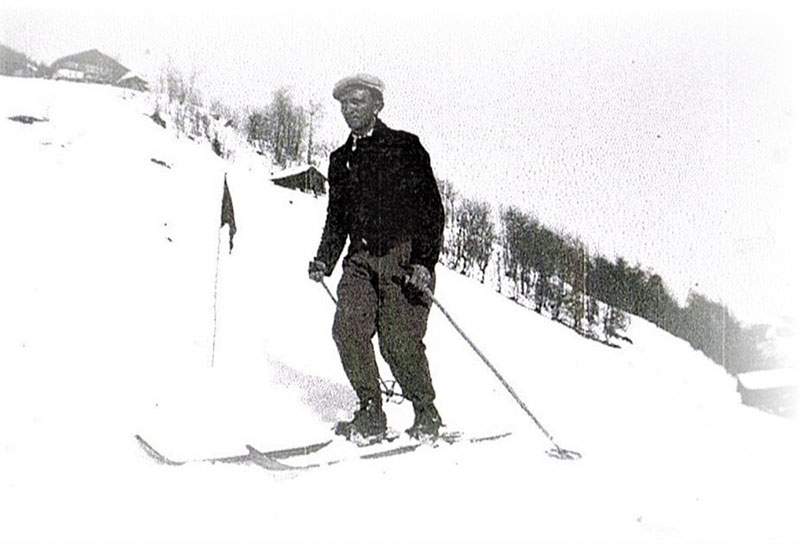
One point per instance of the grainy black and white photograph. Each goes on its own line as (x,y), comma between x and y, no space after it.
(409,273)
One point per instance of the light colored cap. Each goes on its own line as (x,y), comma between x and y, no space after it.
(358,80)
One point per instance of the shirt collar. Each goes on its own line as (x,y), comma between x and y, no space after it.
(378,125)
(355,138)
(365,135)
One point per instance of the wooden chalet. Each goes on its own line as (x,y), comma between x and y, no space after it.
(305,178)
(96,67)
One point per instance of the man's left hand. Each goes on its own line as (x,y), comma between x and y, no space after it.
(420,278)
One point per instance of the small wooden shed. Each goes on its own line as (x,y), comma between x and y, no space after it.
(302,177)
(132,81)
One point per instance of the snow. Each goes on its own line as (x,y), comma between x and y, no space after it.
(107,320)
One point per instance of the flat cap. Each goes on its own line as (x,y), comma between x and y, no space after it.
(358,80)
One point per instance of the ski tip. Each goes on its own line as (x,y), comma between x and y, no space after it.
(263,460)
(153,453)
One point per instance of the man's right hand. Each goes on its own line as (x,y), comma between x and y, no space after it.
(316,270)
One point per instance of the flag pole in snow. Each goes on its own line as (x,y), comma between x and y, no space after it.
(216,281)
(226,217)
(557,451)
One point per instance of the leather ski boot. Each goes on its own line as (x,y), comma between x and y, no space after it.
(426,422)
(367,426)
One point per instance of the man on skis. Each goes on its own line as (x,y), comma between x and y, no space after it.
(384,198)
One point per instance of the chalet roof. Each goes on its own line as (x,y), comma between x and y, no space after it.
(770,379)
(295,170)
(94,57)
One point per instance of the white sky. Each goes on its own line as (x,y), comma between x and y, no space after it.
(666,136)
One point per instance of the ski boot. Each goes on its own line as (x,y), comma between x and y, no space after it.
(368,425)
(426,423)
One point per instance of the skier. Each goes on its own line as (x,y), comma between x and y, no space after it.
(384,197)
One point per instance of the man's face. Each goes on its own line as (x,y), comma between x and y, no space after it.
(358,108)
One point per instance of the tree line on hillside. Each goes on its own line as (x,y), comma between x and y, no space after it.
(555,275)
(286,130)
(283,130)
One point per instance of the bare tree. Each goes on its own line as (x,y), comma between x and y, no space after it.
(182,99)
(518,240)
(574,273)
(285,129)
(474,236)
(314,112)
(449,198)
(615,321)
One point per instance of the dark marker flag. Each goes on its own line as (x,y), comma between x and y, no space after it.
(227,213)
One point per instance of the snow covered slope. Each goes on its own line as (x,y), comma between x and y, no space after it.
(107,319)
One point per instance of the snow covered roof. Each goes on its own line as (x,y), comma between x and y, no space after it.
(292,171)
(129,75)
(92,56)
(94,63)
(770,379)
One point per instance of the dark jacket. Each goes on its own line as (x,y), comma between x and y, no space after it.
(381,194)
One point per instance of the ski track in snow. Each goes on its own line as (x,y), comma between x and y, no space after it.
(107,321)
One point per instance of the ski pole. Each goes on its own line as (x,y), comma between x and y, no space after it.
(385,389)
(557,451)
(328,291)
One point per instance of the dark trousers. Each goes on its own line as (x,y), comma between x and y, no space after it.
(373,298)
